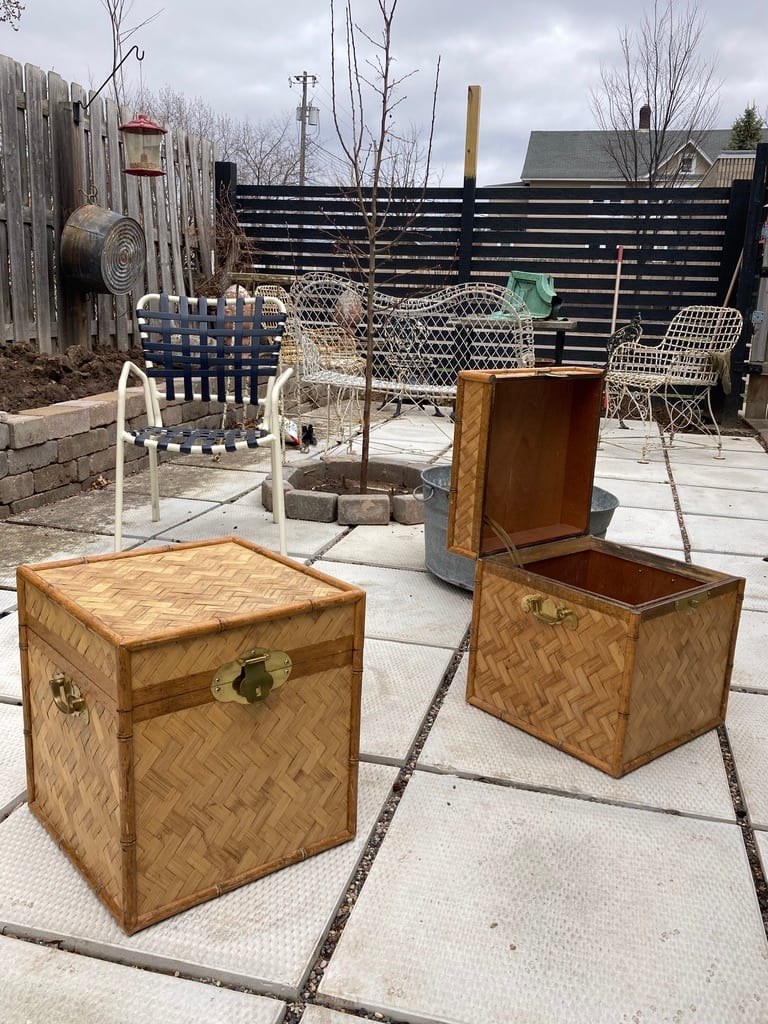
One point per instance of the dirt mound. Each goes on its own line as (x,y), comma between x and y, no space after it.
(29,379)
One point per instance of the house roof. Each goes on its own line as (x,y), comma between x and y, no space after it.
(584,155)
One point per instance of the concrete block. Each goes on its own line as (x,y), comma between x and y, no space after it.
(25,430)
(34,457)
(63,419)
(363,509)
(407,510)
(266,492)
(3,464)
(50,478)
(16,487)
(79,445)
(315,506)
(46,498)
(5,433)
(102,409)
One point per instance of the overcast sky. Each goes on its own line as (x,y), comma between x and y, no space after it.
(535,62)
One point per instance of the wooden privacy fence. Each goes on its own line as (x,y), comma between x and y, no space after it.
(50,166)
(680,246)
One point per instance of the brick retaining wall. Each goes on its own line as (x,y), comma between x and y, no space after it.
(63,449)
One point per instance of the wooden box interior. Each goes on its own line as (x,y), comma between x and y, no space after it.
(616,577)
(541,458)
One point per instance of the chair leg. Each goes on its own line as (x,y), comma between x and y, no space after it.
(278,495)
(719,452)
(119,476)
(154,485)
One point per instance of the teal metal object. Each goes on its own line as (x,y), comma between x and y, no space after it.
(537,291)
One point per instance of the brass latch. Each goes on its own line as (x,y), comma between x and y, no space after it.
(546,610)
(67,696)
(688,605)
(252,677)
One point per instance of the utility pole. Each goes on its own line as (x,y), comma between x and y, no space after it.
(304,114)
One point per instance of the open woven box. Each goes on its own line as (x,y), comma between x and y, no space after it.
(612,654)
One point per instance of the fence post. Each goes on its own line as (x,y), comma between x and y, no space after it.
(757,387)
(470,183)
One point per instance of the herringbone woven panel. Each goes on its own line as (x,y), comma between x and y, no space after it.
(75,773)
(227,790)
(681,675)
(152,592)
(564,685)
(467,484)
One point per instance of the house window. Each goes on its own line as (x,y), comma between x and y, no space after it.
(686,164)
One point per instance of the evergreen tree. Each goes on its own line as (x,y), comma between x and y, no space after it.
(746,130)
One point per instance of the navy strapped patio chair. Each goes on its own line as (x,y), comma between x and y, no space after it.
(205,350)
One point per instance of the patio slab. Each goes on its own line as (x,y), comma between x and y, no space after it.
(469,742)
(247,518)
(747,725)
(178,480)
(414,607)
(733,478)
(264,935)
(322,1015)
(750,667)
(399,684)
(702,459)
(494,904)
(7,598)
(44,984)
(28,544)
(754,570)
(722,501)
(638,493)
(611,467)
(644,527)
(395,546)
(94,512)
(727,535)
(13,778)
(10,663)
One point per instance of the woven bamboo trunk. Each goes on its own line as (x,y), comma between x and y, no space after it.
(606,652)
(611,655)
(161,792)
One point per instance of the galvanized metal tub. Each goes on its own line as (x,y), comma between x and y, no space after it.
(457,569)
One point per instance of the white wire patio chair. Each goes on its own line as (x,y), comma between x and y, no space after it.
(679,371)
(205,350)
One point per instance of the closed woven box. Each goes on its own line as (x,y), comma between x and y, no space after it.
(191,717)
(611,654)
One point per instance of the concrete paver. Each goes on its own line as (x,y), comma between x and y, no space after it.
(726,534)
(747,725)
(406,605)
(10,668)
(262,935)
(750,669)
(466,741)
(394,546)
(753,568)
(485,899)
(13,779)
(45,984)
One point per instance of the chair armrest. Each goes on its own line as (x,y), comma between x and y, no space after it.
(151,404)
(633,357)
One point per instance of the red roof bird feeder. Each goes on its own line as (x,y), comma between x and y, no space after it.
(143,141)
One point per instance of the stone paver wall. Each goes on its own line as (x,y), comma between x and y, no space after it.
(63,449)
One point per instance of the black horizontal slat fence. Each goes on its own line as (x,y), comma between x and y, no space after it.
(680,246)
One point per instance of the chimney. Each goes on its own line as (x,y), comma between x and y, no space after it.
(645,118)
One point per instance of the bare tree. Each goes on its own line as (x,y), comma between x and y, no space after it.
(369,147)
(117,11)
(660,70)
(11,11)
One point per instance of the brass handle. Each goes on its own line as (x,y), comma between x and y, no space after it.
(67,696)
(251,677)
(545,610)
(688,605)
